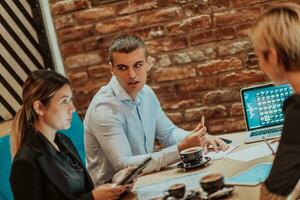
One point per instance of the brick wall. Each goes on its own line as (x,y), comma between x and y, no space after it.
(199,49)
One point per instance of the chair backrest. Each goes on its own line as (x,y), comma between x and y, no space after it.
(75,132)
(5,166)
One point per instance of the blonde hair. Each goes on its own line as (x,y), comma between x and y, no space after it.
(41,85)
(279,28)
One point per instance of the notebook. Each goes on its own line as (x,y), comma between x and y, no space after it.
(252,176)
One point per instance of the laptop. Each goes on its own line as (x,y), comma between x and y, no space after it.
(262,106)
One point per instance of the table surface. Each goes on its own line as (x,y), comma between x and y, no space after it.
(226,166)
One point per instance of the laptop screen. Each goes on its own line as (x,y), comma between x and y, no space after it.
(263,105)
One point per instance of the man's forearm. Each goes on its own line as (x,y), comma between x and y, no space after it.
(265,194)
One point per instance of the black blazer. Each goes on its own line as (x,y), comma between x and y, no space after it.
(35,174)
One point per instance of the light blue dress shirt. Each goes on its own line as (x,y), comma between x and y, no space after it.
(120,132)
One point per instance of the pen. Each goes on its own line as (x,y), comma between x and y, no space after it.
(273,152)
(202,120)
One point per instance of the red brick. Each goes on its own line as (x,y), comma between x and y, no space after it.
(175,117)
(179,102)
(77,78)
(236,109)
(236,16)
(198,7)
(239,3)
(194,55)
(219,5)
(172,2)
(116,24)
(91,43)
(243,77)
(189,126)
(90,87)
(163,60)
(63,22)
(195,114)
(234,48)
(62,7)
(95,14)
(163,90)
(166,44)
(243,30)
(212,35)
(81,60)
(195,23)
(70,48)
(225,33)
(202,37)
(221,96)
(74,33)
(81,102)
(196,85)
(161,15)
(149,33)
(136,5)
(213,67)
(103,70)
(173,73)
(225,125)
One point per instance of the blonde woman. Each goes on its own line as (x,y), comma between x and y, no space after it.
(276,38)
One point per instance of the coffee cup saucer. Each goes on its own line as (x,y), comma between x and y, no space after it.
(225,191)
(194,165)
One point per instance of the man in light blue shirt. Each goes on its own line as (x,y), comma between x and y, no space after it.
(125,117)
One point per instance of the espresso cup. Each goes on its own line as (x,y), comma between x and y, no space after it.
(212,182)
(177,191)
(192,155)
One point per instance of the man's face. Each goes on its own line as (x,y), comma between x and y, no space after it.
(131,70)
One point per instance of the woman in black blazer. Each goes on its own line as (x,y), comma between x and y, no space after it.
(46,164)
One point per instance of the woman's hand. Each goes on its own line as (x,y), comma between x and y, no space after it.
(108,191)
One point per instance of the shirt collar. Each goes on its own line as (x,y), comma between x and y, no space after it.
(121,93)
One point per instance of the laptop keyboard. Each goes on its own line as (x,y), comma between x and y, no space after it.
(265,131)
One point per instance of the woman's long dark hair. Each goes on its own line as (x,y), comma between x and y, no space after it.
(41,85)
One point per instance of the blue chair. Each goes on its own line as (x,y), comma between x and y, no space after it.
(5,165)
(75,132)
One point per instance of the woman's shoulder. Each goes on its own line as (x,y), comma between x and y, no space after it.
(26,154)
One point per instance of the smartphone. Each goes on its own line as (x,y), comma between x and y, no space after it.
(226,140)
(134,173)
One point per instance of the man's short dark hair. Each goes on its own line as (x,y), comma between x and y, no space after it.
(126,44)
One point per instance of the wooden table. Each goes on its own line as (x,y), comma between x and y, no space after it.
(226,166)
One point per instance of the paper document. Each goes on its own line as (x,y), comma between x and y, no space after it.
(218,155)
(254,152)
(156,190)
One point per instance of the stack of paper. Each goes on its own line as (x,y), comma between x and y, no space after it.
(218,155)
(254,152)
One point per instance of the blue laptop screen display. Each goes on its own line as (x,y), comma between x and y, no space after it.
(263,105)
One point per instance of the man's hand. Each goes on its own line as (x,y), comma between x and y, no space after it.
(195,139)
(215,142)
(199,137)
